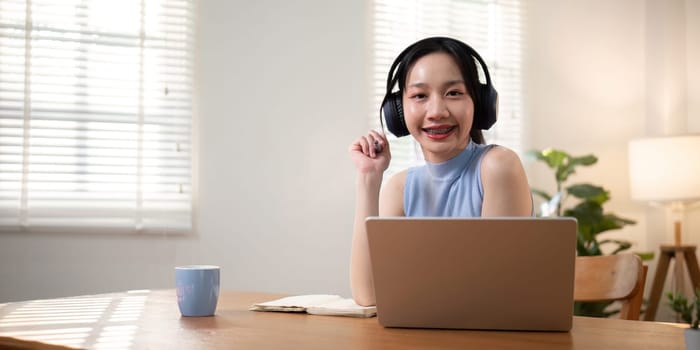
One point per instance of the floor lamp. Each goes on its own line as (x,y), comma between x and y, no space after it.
(666,171)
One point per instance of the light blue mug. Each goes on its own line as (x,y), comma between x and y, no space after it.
(197,289)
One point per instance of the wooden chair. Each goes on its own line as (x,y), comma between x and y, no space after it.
(612,277)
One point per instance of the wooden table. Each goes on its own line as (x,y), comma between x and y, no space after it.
(150,319)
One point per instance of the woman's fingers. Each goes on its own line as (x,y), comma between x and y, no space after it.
(370,152)
(378,141)
(369,139)
(370,144)
(359,145)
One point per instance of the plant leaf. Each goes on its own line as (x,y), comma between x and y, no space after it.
(622,245)
(589,192)
(606,223)
(592,220)
(563,173)
(621,221)
(569,164)
(679,303)
(586,160)
(645,256)
(595,248)
(593,309)
(610,222)
(587,247)
(589,215)
(541,193)
(581,249)
(554,158)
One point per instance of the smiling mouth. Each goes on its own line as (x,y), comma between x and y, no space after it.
(440,131)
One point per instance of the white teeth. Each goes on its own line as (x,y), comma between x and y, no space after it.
(438,131)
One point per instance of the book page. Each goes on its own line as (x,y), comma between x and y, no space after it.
(317,304)
(343,307)
(298,303)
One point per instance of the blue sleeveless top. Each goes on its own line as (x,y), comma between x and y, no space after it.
(449,189)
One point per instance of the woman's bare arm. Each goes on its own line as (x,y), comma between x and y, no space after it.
(371,202)
(506,190)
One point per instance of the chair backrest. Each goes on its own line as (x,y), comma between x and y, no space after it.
(611,277)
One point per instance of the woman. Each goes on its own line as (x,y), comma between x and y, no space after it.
(438,85)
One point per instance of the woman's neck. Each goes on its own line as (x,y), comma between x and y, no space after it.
(441,157)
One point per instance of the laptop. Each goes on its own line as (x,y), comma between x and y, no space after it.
(473,273)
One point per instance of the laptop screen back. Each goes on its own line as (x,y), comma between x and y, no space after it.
(474,273)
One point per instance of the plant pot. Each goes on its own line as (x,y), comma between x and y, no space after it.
(692,339)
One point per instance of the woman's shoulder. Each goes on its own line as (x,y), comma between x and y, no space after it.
(391,197)
(500,160)
(398,180)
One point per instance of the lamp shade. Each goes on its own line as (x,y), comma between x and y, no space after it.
(665,169)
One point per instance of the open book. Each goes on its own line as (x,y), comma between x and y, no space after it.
(317,304)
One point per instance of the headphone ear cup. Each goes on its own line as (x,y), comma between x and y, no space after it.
(393,115)
(488,108)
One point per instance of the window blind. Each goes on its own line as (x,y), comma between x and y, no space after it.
(491,27)
(95,115)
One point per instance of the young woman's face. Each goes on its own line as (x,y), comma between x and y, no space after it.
(437,107)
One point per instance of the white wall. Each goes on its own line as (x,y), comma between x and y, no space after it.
(282,91)
(282,94)
(692,14)
(585,92)
(692,39)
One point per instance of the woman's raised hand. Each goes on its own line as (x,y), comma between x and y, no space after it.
(371,153)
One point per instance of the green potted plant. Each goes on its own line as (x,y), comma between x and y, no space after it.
(690,313)
(587,208)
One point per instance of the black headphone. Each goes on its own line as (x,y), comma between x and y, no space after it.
(485,101)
